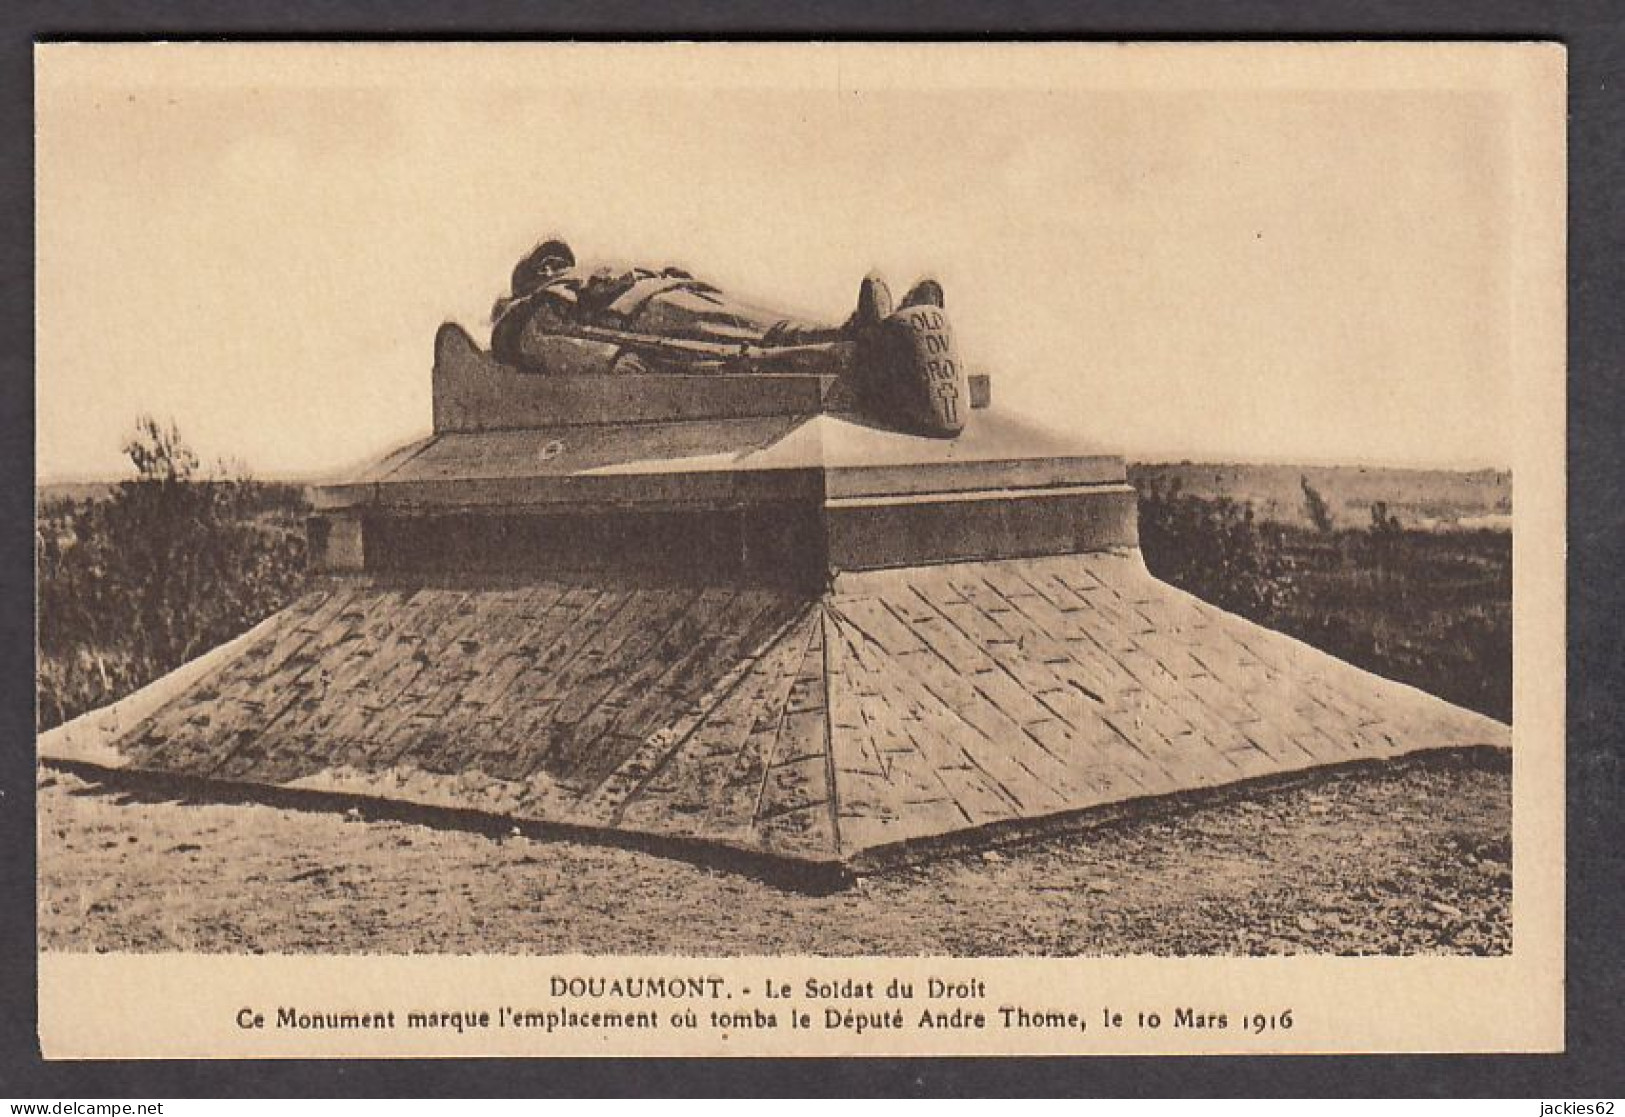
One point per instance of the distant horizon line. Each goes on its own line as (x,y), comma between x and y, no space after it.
(1317,463)
(312,477)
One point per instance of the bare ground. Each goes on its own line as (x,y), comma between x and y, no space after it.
(1405,859)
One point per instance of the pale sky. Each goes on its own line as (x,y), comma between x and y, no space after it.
(260,241)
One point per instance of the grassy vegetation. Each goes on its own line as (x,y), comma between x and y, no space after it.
(1429,608)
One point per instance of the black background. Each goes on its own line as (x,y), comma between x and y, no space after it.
(1592,1066)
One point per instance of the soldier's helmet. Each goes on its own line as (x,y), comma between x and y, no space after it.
(541,264)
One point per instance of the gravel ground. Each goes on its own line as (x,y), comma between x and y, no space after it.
(1412,858)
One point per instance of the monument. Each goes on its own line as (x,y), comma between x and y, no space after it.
(804,594)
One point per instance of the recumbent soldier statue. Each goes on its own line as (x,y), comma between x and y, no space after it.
(561,319)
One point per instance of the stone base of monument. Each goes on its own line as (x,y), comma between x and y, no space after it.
(790,635)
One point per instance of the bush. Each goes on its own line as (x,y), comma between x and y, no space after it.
(1215,549)
(1315,506)
(167,566)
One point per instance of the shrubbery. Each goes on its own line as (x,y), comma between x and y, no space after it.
(170,564)
(1429,608)
(1215,549)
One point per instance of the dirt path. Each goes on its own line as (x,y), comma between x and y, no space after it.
(1406,859)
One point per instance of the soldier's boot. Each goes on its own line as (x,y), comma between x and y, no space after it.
(909,373)
(927,292)
(874,302)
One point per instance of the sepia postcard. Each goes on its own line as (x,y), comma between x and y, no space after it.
(799,549)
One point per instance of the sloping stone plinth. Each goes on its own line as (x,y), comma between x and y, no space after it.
(894,708)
